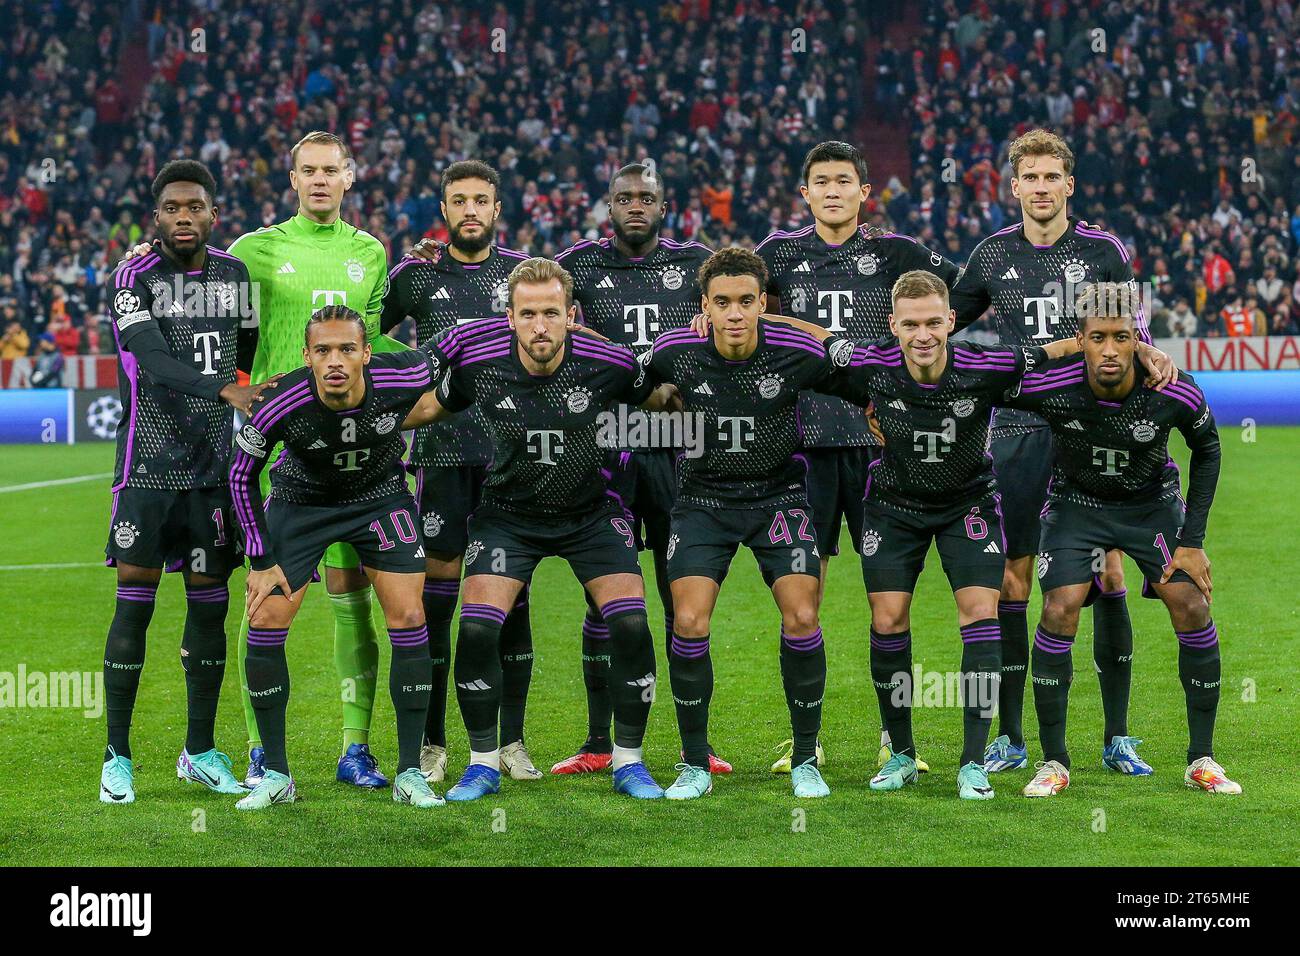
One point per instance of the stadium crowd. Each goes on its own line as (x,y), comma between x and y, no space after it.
(1182,115)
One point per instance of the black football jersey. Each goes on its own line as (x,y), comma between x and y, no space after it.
(633,301)
(170,440)
(328,457)
(748,414)
(846,290)
(548,460)
(1118,452)
(1032,290)
(439,295)
(935,435)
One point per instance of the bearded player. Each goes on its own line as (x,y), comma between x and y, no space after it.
(450,285)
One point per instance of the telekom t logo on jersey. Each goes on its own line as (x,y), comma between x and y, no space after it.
(737,430)
(1042,313)
(1109,460)
(934,443)
(833,306)
(206,351)
(641,321)
(330,297)
(546,443)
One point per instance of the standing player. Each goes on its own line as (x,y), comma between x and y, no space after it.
(542,391)
(632,288)
(1115,486)
(747,487)
(459,283)
(1031,272)
(182,322)
(838,275)
(933,399)
(339,478)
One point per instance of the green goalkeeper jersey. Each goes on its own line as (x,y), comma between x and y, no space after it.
(299,266)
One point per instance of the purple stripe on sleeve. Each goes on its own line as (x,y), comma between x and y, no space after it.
(1063,383)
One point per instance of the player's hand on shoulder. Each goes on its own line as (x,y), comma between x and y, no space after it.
(1196,563)
(430,250)
(260,584)
(247,397)
(136,251)
(1163,370)
(700,325)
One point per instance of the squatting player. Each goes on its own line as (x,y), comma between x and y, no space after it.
(838,275)
(747,487)
(463,281)
(182,320)
(933,399)
(1115,486)
(339,478)
(1031,273)
(312,260)
(542,392)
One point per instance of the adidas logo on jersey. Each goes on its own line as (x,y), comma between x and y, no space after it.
(507,402)
(993,548)
(803,267)
(899,404)
(317,445)
(442,293)
(286,269)
(703,389)
(1074,423)
(605,283)
(1011,273)
(474,685)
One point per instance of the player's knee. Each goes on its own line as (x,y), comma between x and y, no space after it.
(800,621)
(887,620)
(690,622)
(1016,581)
(1112,575)
(1188,609)
(1060,613)
(406,617)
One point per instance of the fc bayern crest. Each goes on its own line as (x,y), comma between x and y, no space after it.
(1075,271)
(868,264)
(770,386)
(1044,562)
(963,407)
(386,424)
(432,524)
(672,546)
(472,552)
(1144,430)
(673,278)
(870,543)
(578,400)
(124,534)
(356,271)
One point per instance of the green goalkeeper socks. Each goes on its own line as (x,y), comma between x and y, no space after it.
(356,660)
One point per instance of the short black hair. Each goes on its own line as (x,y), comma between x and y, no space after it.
(833,151)
(733,261)
(639,169)
(185,171)
(472,169)
(334,313)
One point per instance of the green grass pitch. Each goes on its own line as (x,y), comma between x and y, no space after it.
(55,619)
